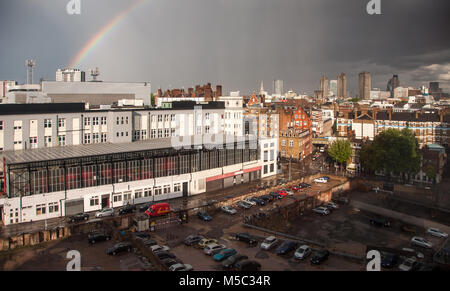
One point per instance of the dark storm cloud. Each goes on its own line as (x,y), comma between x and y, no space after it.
(234,42)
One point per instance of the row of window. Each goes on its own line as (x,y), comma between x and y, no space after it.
(42,208)
(97,120)
(96,137)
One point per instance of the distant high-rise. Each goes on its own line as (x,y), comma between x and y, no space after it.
(73,75)
(333,87)
(324,86)
(434,87)
(278,86)
(365,85)
(393,83)
(342,86)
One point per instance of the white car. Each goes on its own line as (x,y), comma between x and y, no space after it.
(269,243)
(302,252)
(321,180)
(213,249)
(105,212)
(181,267)
(321,210)
(228,210)
(408,264)
(420,241)
(436,232)
(157,248)
(247,200)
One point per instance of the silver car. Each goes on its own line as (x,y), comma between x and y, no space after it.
(321,210)
(420,241)
(302,252)
(213,249)
(437,233)
(105,212)
(408,264)
(269,243)
(228,209)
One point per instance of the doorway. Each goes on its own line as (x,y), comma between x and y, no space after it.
(185,189)
(105,201)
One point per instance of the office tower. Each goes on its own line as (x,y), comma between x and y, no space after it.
(393,83)
(365,85)
(342,86)
(333,87)
(278,87)
(324,86)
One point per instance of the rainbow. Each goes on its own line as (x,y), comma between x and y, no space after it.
(101,34)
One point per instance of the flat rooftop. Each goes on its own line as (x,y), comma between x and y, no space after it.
(100,149)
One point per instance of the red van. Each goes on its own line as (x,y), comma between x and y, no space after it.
(158,209)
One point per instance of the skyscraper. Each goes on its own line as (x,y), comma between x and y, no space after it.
(333,87)
(342,86)
(393,83)
(278,87)
(365,85)
(324,87)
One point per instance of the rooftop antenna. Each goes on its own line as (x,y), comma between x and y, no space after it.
(95,73)
(30,67)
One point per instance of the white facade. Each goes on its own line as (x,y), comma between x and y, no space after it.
(234,115)
(70,75)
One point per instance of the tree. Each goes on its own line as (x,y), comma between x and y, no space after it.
(430,172)
(340,151)
(152,98)
(392,152)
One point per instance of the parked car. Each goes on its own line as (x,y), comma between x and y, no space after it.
(331,205)
(289,192)
(326,178)
(78,217)
(141,235)
(258,201)
(249,201)
(283,193)
(437,233)
(157,248)
(321,180)
(119,248)
(380,222)
(266,198)
(269,243)
(129,208)
(244,205)
(247,265)
(305,185)
(170,262)
(409,264)
(296,188)
(232,260)
(321,210)
(149,242)
(389,260)
(287,247)
(181,267)
(213,249)
(158,209)
(98,237)
(228,210)
(223,254)
(165,255)
(302,252)
(342,200)
(319,257)
(275,195)
(246,237)
(105,212)
(206,241)
(420,241)
(204,216)
(193,239)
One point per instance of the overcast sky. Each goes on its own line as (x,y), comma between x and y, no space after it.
(237,43)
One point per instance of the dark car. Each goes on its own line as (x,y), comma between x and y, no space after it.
(380,222)
(275,195)
(119,248)
(269,197)
(142,235)
(258,201)
(304,185)
(246,237)
(204,216)
(193,239)
(78,217)
(231,261)
(145,207)
(97,237)
(247,265)
(287,247)
(244,205)
(164,255)
(320,257)
(389,260)
(127,209)
(149,242)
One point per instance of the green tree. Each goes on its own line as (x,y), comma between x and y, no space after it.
(430,172)
(152,98)
(340,151)
(393,152)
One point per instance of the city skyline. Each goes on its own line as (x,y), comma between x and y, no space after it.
(244,43)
